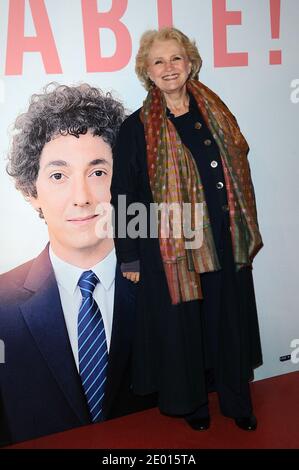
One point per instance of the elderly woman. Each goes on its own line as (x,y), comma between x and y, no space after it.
(197,328)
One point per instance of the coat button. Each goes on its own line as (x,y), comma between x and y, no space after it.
(219,185)
(214,164)
(197,125)
(207,142)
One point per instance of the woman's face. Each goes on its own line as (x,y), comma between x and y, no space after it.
(168,65)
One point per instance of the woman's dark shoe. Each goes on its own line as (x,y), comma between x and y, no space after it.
(199,424)
(249,423)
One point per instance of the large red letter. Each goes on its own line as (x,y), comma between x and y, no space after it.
(165,13)
(221,19)
(92,22)
(17,43)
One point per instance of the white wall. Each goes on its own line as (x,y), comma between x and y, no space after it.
(258,94)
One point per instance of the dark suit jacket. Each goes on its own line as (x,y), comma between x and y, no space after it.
(40,388)
(130,178)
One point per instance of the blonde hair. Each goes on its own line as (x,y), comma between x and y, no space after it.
(165,34)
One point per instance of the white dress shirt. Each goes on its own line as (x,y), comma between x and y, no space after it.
(67,277)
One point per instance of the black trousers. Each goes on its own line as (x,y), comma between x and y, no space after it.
(234,404)
(220,297)
(175,345)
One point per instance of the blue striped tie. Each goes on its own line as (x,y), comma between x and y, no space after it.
(92,346)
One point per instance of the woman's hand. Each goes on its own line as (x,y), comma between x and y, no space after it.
(132,276)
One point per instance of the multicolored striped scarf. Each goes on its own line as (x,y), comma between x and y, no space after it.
(175,180)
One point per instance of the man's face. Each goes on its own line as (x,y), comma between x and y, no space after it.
(74,177)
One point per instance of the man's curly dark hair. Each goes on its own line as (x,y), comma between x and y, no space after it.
(61,110)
